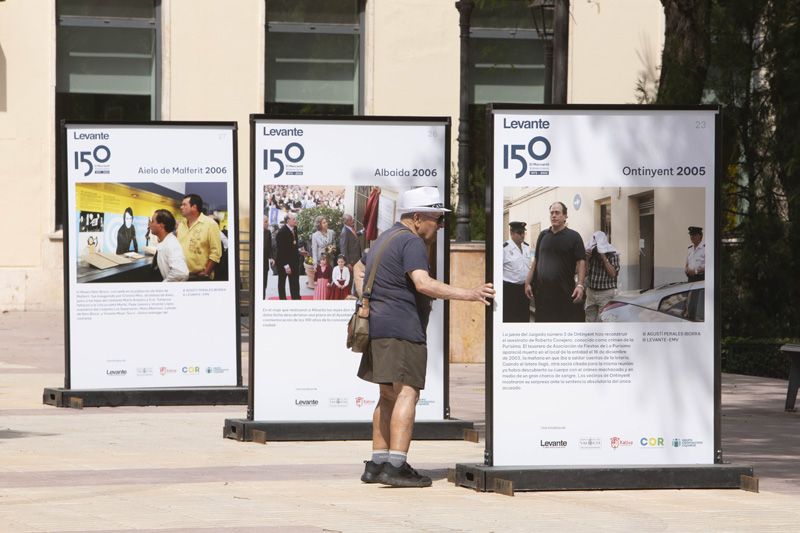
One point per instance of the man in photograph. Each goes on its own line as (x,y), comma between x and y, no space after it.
(516,264)
(399,307)
(603,266)
(268,260)
(696,255)
(559,256)
(349,244)
(287,257)
(169,263)
(200,239)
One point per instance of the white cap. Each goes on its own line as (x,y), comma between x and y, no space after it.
(421,200)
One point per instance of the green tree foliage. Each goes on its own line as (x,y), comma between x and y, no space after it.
(754,72)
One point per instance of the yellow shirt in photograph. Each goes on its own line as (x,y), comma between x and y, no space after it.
(200,243)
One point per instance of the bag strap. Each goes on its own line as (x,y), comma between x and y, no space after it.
(368,287)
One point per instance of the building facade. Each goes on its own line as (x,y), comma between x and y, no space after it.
(204,60)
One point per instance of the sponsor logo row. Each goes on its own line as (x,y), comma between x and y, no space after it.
(343,401)
(166,371)
(620,443)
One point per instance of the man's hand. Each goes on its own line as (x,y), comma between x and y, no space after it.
(288,269)
(483,293)
(528,291)
(577,294)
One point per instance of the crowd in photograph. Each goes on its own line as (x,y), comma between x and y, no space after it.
(280,200)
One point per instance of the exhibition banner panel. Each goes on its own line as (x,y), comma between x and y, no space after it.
(328,172)
(627,374)
(141,312)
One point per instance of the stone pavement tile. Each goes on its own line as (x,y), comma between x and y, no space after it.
(168,468)
(346,505)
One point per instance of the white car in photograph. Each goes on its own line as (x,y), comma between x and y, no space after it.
(675,302)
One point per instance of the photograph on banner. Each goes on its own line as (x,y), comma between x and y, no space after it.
(323,230)
(139,232)
(641,249)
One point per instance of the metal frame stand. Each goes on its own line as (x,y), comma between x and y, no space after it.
(552,478)
(242,430)
(79,398)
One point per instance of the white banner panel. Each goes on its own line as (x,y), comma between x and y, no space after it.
(636,387)
(333,168)
(127,329)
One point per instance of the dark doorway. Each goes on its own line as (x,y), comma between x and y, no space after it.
(646,242)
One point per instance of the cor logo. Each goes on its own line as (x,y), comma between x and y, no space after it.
(652,442)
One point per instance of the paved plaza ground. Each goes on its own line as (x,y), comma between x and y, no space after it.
(169,469)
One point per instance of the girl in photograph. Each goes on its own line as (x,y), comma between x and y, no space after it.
(321,238)
(126,234)
(340,286)
(323,278)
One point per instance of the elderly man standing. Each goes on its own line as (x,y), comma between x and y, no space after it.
(287,257)
(349,245)
(200,239)
(400,304)
(559,256)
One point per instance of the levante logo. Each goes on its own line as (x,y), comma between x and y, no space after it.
(553,443)
(307,403)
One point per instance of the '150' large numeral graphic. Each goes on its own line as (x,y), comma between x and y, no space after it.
(512,152)
(293,153)
(100,154)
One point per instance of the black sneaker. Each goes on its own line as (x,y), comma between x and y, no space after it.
(405,476)
(371,472)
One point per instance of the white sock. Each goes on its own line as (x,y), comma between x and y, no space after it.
(396,459)
(380,456)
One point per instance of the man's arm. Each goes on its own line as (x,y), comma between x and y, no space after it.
(529,279)
(612,271)
(176,267)
(577,294)
(436,289)
(358,277)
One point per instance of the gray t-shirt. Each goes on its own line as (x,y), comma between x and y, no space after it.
(397,310)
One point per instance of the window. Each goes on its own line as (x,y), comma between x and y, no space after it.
(314,57)
(107,65)
(675,304)
(507,65)
(506,54)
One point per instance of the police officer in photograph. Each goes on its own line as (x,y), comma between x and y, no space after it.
(696,255)
(516,264)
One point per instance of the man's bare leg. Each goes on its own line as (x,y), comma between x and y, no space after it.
(397,472)
(381,418)
(401,426)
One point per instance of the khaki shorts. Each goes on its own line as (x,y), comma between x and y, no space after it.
(389,361)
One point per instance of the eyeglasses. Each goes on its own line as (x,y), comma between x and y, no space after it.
(439,220)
